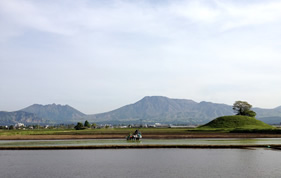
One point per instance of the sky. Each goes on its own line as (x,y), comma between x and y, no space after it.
(97,56)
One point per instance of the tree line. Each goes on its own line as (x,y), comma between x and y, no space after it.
(80,126)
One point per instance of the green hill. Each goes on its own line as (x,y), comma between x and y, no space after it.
(236,122)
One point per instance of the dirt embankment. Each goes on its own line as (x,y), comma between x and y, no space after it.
(149,136)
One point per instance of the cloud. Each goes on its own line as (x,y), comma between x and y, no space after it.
(239,15)
(127,49)
(76,17)
(195,11)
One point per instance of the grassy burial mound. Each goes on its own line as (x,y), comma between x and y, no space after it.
(236,122)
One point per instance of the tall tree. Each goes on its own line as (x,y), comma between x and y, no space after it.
(243,108)
(87,124)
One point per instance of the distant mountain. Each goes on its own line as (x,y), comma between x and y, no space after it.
(269,116)
(55,113)
(161,109)
(153,109)
(11,118)
(150,109)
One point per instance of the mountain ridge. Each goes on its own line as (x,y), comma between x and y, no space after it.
(55,112)
(163,109)
(11,118)
(150,109)
(197,113)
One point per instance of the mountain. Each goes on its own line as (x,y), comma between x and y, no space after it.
(150,109)
(153,109)
(161,109)
(55,113)
(269,116)
(11,118)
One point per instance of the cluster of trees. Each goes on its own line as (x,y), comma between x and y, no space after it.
(243,108)
(7,127)
(80,126)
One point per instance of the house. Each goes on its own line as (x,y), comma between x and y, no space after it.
(19,125)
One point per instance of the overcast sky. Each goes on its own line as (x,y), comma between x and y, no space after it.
(97,56)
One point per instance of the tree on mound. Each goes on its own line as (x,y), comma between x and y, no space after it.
(243,108)
(244,119)
(235,122)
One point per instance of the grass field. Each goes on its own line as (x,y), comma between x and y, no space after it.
(145,131)
(94,131)
(225,124)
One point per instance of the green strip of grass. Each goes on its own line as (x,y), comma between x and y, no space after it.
(94,131)
(167,131)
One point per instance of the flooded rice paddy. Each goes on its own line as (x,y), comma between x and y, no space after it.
(137,163)
(88,142)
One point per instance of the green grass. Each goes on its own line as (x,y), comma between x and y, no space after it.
(104,131)
(224,124)
(235,122)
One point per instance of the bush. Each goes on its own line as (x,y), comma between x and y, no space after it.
(79,126)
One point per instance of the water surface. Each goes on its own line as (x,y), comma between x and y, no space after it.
(153,163)
(79,142)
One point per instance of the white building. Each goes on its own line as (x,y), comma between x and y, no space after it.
(18,125)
